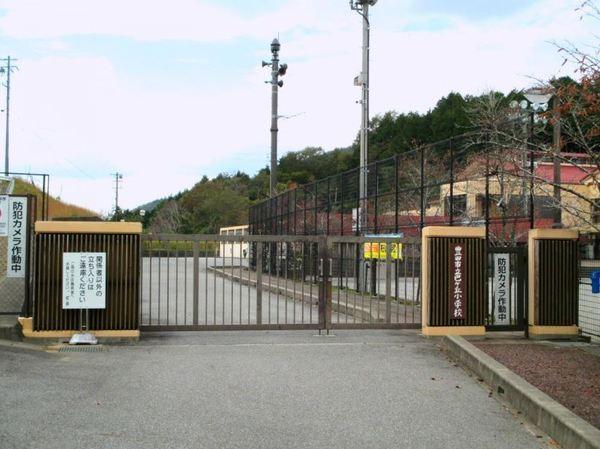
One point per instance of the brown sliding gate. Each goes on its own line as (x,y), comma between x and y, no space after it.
(210,282)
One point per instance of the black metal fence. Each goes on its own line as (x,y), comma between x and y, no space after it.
(452,182)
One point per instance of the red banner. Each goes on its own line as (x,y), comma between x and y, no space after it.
(458,294)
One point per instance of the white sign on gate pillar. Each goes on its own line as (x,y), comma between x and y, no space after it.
(17,237)
(502,288)
(84,281)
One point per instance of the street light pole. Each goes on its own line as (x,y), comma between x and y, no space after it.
(276,71)
(557,164)
(275,46)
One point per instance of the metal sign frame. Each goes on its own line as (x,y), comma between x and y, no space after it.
(518,262)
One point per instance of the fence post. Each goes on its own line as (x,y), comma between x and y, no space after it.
(396,192)
(259,270)
(422,181)
(451,183)
(388,283)
(342,204)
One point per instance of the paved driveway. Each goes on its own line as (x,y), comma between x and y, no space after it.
(369,389)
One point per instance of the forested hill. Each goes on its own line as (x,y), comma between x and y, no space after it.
(224,200)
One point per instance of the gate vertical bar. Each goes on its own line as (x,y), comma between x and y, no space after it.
(196,255)
(259,270)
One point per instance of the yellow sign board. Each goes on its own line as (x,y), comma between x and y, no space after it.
(375,250)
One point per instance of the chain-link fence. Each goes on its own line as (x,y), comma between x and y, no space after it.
(12,290)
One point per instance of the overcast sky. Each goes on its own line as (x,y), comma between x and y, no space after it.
(168,91)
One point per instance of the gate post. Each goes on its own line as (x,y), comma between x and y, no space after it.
(324,284)
(453,280)
(553,283)
(109,254)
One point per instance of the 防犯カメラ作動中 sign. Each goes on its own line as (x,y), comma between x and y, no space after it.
(17,237)
(501,288)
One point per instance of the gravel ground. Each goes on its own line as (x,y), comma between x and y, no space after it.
(569,373)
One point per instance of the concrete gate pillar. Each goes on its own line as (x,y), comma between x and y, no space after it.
(453,264)
(553,283)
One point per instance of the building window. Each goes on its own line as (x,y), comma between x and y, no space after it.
(544,206)
(459,203)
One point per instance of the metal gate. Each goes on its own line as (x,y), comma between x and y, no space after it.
(229,282)
(507,289)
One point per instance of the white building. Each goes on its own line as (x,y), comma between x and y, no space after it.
(236,250)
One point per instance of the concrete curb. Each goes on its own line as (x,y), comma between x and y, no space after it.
(571,431)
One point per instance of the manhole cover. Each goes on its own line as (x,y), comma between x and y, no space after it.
(81,348)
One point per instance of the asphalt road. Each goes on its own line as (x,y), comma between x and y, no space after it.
(384,389)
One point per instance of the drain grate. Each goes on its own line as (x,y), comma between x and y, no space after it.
(81,348)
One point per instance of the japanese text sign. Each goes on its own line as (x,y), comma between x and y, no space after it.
(84,281)
(17,237)
(501,288)
(458,295)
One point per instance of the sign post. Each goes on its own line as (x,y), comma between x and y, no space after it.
(84,288)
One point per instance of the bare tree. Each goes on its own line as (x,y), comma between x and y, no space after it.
(167,219)
(514,137)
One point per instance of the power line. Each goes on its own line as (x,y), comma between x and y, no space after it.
(7,68)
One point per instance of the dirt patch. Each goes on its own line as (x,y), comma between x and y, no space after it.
(570,376)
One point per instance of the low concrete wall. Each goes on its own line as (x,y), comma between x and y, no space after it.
(568,429)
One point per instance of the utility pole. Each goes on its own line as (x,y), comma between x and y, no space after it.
(7,68)
(118,179)
(362,8)
(276,83)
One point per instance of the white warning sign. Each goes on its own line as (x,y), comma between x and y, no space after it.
(84,281)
